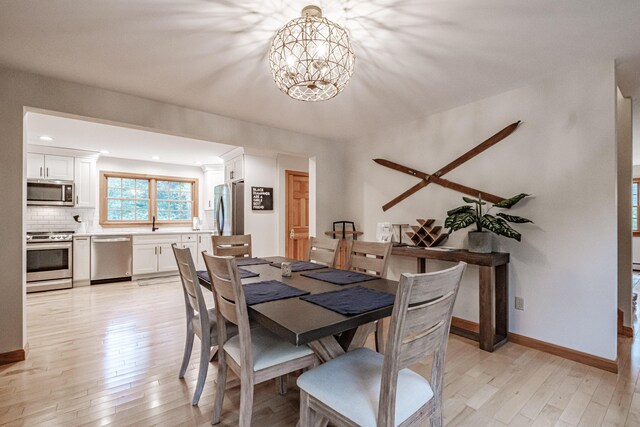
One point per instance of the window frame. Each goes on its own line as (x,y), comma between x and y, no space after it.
(635,204)
(153,198)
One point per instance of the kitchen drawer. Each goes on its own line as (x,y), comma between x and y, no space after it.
(156,239)
(189,238)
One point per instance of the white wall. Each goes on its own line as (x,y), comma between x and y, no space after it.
(285,163)
(260,171)
(625,174)
(19,90)
(564,153)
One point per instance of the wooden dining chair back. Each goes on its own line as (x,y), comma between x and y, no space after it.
(369,257)
(255,355)
(200,320)
(235,246)
(323,251)
(419,328)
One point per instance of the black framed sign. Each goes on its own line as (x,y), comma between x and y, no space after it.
(261,198)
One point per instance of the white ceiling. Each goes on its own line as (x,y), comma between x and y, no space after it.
(121,142)
(413,57)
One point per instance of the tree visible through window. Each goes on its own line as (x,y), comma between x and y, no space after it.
(130,199)
(175,200)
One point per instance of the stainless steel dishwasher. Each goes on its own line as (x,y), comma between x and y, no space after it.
(110,258)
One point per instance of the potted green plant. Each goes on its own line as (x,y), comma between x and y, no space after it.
(480,240)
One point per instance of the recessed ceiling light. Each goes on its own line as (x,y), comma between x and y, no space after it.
(46,138)
(155,158)
(104,151)
(198,163)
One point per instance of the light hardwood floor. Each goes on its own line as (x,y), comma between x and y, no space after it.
(110,354)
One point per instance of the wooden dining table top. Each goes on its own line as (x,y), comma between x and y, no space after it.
(301,322)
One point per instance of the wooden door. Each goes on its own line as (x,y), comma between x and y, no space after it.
(297,214)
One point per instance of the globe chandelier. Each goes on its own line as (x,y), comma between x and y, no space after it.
(311,57)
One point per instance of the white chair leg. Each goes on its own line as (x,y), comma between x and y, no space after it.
(188,347)
(281,384)
(205,357)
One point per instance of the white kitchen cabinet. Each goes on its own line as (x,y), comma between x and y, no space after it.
(86,182)
(45,166)
(166,259)
(145,258)
(193,248)
(204,244)
(81,261)
(212,177)
(234,169)
(58,168)
(35,166)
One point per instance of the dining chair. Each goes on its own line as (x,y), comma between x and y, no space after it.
(372,258)
(236,246)
(200,320)
(323,251)
(255,355)
(365,388)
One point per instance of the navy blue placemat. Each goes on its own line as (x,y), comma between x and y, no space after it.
(356,300)
(251,261)
(340,277)
(244,274)
(300,266)
(269,290)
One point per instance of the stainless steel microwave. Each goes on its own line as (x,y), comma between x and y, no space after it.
(50,193)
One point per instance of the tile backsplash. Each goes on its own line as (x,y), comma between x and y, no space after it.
(53,218)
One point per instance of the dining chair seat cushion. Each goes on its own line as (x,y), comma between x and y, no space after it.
(268,349)
(350,385)
(213,331)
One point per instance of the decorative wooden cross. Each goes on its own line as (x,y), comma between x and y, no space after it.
(436,177)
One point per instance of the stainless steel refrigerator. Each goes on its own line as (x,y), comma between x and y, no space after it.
(229,208)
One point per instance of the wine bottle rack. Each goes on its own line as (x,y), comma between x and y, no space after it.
(425,234)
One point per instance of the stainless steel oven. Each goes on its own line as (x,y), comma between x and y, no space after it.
(50,193)
(49,261)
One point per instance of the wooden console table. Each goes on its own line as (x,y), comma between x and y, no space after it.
(494,294)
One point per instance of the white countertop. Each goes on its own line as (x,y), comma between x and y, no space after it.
(141,233)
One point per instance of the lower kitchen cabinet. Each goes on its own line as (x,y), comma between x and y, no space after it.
(81,261)
(145,258)
(153,253)
(166,259)
(204,244)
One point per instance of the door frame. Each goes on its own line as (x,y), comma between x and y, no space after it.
(287,174)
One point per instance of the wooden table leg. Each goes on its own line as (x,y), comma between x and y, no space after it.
(486,309)
(502,302)
(326,348)
(361,335)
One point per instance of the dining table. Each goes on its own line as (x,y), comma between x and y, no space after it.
(328,333)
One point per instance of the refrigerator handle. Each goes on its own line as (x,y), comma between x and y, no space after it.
(220,216)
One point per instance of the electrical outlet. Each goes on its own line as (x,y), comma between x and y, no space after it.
(519,303)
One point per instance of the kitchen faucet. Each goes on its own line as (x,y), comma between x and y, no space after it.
(153,224)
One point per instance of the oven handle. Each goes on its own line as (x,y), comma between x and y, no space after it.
(36,246)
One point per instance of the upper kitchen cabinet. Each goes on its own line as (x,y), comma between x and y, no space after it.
(45,166)
(234,169)
(213,175)
(35,166)
(86,182)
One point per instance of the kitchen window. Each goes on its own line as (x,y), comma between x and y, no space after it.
(133,199)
